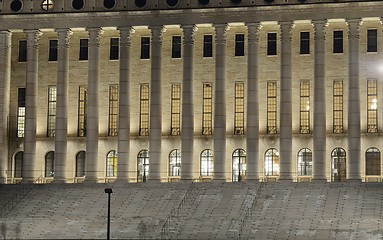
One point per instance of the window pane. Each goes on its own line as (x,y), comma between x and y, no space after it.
(338,42)
(176,109)
(271,43)
(239,121)
(207,45)
(338,107)
(176,47)
(114,48)
(239,45)
(82,111)
(145,47)
(52,50)
(22,50)
(372,40)
(207,120)
(271,108)
(83,49)
(51,128)
(144,110)
(113,110)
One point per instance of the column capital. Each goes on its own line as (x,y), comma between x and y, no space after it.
(353,27)
(220,33)
(286,28)
(157,31)
(319,29)
(33,37)
(94,36)
(63,37)
(125,35)
(253,31)
(188,35)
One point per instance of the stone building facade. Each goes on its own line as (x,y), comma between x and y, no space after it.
(203,90)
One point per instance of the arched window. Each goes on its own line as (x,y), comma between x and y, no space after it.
(111,164)
(175,162)
(272,162)
(142,166)
(373,161)
(338,165)
(305,162)
(50,164)
(206,162)
(80,164)
(18,164)
(239,165)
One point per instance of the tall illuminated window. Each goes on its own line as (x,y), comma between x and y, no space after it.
(82,96)
(305,107)
(272,163)
(239,114)
(372,106)
(373,161)
(207,113)
(20,112)
(206,168)
(271,107)
(175,163)
(305,162)
(338,107)
(111,164)
(113,110)
(144,110)
(176,110)
(51,122)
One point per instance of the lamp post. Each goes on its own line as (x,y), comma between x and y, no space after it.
(108,191)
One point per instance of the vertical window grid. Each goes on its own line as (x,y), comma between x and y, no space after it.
(272,162)
(113,110)
(145,47)
(51,122)
(84,49)
(271,43)
(239,108)
(53,50)
(144,110)
(373,162)
(372,106)
(338,107)
(175,163)
(208,46)
(114,49)
(239,44)
(176,46)
(176,110)
(22,51)
(372,40)
(20,112)
(82,98)
(304,107)
(206,163)
(338,41)
(111,164)
(305,163)
(207,120)
(305,43)
(271,108)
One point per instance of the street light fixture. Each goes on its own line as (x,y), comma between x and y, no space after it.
(108,191)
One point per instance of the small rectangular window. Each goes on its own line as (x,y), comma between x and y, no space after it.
(239,109)
(338,107)
(83,49)
(271,43)
(176,110)
(113,110)
(305,107)
(207,109)
(305,43)
(82,98)
(144,110)
(208,46)
(20,112)
(271,107)
(176,47)
(372,40)
(114,49)
(145,47)
(372,106)
(52,50)
(52,95)
(22,50)
(240,44)
(337,42)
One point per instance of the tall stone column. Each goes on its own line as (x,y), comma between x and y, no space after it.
(252,133)
(354,161)
(220,103)
(319,101)
(285,103)
(61,171)
(30,169)
(187,132)
(92,166)
(124,106)
(5,76)
(155,106)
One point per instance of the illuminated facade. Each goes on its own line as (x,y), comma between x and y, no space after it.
(226,90)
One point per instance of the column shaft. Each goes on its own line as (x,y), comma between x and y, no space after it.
(5,76)
(285,103)
(155,106)
(319,102)
(92,116)
(187,132)
(124,106)
(61,171)
(220,103)
(30,170)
